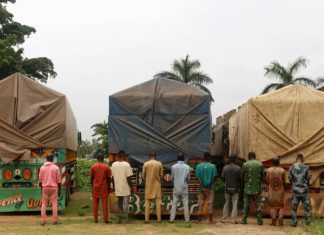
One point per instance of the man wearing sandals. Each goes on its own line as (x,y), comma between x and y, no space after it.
(232,178)
(100,174)
(252,177)
(50,183)
(299,177)
(206,173)
(275,178)
(122,173)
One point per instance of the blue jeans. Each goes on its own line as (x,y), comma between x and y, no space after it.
(176,198)
(122,207)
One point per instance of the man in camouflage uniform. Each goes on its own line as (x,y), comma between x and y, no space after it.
(252,175)
(299,178)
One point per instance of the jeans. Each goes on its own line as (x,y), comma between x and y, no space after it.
(122,207)
(176,198)
(49,194)
(228,199)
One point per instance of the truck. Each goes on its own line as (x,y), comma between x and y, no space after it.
(280,124)
(162,116)
(34,121)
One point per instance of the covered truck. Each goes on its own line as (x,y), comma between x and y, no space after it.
(282,124)
(162,116)
(34,121)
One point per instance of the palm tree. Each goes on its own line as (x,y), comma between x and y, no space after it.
(286,76)
(320,82)
(101,130)
(187,71)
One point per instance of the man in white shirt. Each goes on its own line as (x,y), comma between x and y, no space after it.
(122,172)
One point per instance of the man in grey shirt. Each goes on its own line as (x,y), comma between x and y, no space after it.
(232,177)
(180,174)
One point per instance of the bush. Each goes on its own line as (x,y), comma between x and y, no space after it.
(219,198)
(83,174)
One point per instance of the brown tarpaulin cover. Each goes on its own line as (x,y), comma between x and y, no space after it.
(282,123)
(33,116)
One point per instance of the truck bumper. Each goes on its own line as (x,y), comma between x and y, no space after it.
(25,199)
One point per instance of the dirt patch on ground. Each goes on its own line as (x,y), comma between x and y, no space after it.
(74,223)
(29,224)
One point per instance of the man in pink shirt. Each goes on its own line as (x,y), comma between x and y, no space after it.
(50,183)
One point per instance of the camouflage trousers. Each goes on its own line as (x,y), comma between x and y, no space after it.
(294,206)
(256,199)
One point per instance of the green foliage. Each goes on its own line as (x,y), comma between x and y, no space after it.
(219,198)
(86,148)
(187,71)
(316,227)
(81,213)
(101,131)
(82,175)
(286,76)
(320,82)
(12,36)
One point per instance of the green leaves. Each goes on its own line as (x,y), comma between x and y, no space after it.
(83,175)
(101,132)
(39,68)
(12,35)
(320,82)
(285,76)
(18,30)
(187,71)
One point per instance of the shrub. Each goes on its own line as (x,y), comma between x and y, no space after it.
(83,175)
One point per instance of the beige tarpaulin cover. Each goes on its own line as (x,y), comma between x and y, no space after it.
(33,116)
(282,123)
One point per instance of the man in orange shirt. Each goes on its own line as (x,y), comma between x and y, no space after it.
(100,180)
(49,181)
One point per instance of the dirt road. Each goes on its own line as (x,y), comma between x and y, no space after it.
(29,224)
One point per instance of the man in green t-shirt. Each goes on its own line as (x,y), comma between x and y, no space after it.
(252,175)
(206,173)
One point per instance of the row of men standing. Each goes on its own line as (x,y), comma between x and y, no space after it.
(250,176)
(152,174)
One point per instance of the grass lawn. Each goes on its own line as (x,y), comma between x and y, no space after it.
(77,219)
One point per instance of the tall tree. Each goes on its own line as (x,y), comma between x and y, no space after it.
(187,71)
(101,132)
(287,76)
(86,148)
(320,82)
(12,60)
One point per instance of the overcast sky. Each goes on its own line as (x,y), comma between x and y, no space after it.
(100,47)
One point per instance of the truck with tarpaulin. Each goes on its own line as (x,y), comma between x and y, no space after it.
(34,121)
(162,116)
(280,124)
